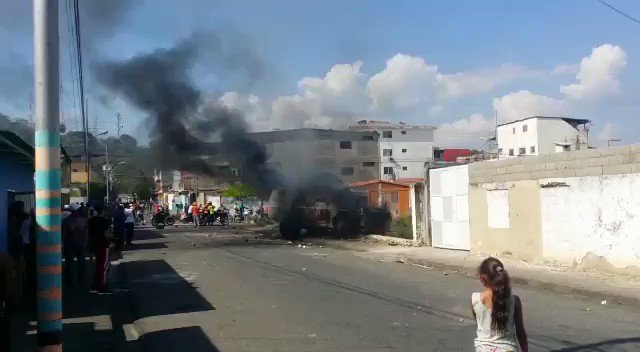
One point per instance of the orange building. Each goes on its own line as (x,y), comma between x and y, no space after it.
(394,195)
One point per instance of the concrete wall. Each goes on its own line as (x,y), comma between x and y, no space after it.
(521,237)
(594,215)
(561,207)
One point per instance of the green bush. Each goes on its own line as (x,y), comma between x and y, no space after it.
(402,227)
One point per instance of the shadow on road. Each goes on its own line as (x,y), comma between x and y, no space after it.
(606,345)
(163,290)
(178,339)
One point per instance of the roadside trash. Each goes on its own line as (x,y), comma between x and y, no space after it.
(304,247)
(299,245)
(446,273)
(303,269)
(312,335)
(321,246)
(193,245)
(588,309)
(401,261)
(461,320)
(289,242)
(381,260)
(604,302)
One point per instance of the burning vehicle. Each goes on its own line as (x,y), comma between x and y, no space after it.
(325,205)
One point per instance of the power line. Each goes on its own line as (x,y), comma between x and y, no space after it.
(619,11)
(85,123)
(72,60)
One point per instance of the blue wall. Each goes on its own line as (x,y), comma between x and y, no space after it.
(17,177)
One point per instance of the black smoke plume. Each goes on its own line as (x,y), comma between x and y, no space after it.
(160,83)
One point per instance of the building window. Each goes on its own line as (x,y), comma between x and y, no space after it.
(499,151)
(387,152)
(510,152)
(387,134)
(347,171)
(404,168)
(345,144)
(513,130)
(533,150)
(404,150)
(403,132)
(524,128)
(388,170)
(522,151)
(368,164)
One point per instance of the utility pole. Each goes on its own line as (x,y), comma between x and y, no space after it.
(612,140)
(86,145)
(47,175)
(118,123)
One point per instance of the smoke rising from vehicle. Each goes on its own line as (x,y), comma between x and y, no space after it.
(160,83)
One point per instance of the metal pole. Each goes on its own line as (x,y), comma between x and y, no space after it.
(47,180)
(86,146)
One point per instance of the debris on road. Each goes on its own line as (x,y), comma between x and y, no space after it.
(588,309)
(192,245)
(401,261)
(303,269)
(604,302)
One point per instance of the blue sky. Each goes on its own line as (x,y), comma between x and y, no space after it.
(483,51)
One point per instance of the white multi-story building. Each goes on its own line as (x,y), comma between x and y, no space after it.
(540,135)
(404,149)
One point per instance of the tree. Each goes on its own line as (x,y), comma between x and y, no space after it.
(240,191)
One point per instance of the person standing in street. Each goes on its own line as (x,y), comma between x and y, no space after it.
(498,313)
(99,242)
(75,232)
(129,223)
(195,213)
(119,227)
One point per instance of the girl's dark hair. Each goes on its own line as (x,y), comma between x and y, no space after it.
(498,280)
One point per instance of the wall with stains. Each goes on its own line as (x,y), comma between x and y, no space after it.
(591,217)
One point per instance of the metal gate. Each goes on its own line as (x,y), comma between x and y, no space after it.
(449,204)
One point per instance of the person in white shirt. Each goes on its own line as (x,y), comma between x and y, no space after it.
(129,223)
(498,313)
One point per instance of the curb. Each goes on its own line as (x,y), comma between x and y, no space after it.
(471,272)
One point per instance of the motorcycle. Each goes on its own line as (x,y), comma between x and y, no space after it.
(162,219)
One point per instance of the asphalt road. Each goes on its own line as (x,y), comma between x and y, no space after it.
(219,290)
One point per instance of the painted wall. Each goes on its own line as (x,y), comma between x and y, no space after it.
(15,177)
(512,136)
(519,235)
(418,146)
(596,214)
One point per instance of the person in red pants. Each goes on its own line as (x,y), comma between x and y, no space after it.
(99,241)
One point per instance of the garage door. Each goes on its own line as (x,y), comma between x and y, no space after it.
(449,189)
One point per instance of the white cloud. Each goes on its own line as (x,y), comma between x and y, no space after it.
(609,131)
(566,69)
(465,133)
(250,106)
(523,103)
(407,82)
(598,74)
(330,101)
(474,82)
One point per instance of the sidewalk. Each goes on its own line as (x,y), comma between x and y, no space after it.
(603,286)
(91,322)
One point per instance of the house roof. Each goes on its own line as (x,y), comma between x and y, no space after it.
(11,144)
(410,180)
(566,119)
(399,182)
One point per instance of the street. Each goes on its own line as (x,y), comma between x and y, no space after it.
(225,289)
